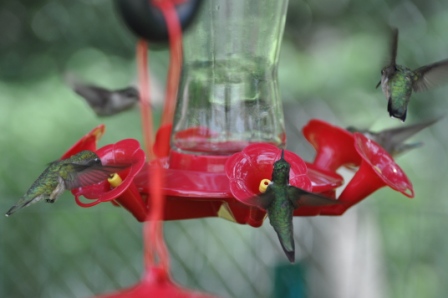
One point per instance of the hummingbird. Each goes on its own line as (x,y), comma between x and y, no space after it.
(281,199)
(104,102)
(398,82)
(81,169)
(392,140)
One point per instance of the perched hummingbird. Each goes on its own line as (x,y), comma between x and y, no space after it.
(281,199)
(104,102)
(392,140)
(398,81)
(81,169)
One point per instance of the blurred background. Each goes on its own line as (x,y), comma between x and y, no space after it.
(330,62)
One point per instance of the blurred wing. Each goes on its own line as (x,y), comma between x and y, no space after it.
(95,96)
(353,129)
(391,55)
(393,45)
(389,67)
(402,148)
(88,175)
(300,197)
(395,136)
(262,200)
(430,76)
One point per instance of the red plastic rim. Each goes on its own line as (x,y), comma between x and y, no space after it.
(383,164)
(246,169)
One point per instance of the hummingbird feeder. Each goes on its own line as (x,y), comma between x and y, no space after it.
(222,129)
(227,99)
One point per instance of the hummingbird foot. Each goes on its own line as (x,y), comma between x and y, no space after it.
(57,192)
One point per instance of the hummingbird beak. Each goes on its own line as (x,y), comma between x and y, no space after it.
(377,85)
(283,154)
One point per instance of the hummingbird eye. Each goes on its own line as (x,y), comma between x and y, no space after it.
(97,160)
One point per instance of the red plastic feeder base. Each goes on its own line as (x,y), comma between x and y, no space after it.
(196,186)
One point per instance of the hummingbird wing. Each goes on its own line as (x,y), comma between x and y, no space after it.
(262,200)
(430,76)
(300,197)
(402,148)
(84,175)
(392,139)
(393,45)
(95,96)
(391,55)
(353,129)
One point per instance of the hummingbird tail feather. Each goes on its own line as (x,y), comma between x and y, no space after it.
(287,242)
(12,210)
(403,117)
(22,204)
(290,255)
(399,113)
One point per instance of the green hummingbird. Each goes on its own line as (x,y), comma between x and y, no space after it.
(281,199)
(81,169)
(392,140)
(398,82)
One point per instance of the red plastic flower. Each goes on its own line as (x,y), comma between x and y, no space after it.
(384,166)
(125,152)
(87,142)
(247,168)
(334,145)
(377,169)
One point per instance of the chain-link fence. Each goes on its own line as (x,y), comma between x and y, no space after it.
(388,246)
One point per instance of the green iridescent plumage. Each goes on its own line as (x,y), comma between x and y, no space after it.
(281,199)
(81,169)
(398,82)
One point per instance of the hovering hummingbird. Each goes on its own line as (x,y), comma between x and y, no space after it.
(81,169)
(104,102)
(281,199)
(392,140)
(398,82)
